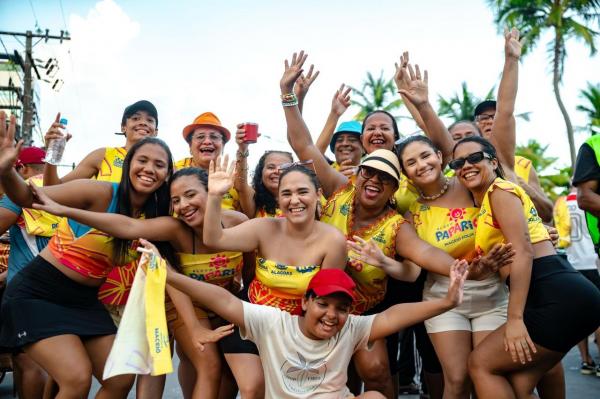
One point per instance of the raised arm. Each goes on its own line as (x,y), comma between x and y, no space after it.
(407,314)
(298,134)
(339,105)
(303,84)
(504,127)
(244,236)
(402,80)
(536,193)
(508,213)
(416,91)
(245,190)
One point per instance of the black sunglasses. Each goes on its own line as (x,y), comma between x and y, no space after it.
(368,173)
(473,158)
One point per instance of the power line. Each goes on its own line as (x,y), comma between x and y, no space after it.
(7,53)
(34,14)
(62,12)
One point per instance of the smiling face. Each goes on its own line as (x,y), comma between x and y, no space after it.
(347,146)
(270,172)
(462,130)
(149,168)
(206,144)
(297,197)
(138,126)
(374,188)
(325,316)
(421,163)
(188,198)
(378,133)
(478,176)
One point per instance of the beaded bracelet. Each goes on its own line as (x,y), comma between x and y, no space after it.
(290,104)
(244,154)
(289,100)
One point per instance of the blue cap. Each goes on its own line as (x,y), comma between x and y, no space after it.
(350,127)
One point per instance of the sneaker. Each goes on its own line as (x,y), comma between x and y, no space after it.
(588,368)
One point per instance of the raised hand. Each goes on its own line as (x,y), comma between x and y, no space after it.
(512,45)
(304,81)
(9,152)
(44,203)
(54,131)
(365,251)
(401,77)
(517,341)
(458,275)
(201,335)
(341,100)
(220,176)
(417,91)
(292,72)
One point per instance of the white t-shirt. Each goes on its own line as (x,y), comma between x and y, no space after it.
(580,253)
(299,367)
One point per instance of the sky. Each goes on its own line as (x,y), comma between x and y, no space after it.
(189,57)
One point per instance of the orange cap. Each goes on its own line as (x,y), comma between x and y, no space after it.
(206,119)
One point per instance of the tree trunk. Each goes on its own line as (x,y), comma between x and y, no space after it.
(558,44)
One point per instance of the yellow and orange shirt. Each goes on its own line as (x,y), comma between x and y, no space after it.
(522,167)
(370,280)
(281,286)
(488,232)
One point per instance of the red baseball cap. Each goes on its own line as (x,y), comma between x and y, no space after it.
(330,281)
(29,155)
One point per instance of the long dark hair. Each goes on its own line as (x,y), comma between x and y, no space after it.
(486,147)
(401,147)
(158,204)
(394,123)
(263,198)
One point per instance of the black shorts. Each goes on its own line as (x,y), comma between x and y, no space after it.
(593,275)
(41,302)
(562,307)
(234,343)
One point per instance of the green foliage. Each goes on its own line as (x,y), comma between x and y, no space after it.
(461,106)
(376,94)
(554,181)
(591,107)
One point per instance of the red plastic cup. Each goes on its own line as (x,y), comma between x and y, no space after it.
(251,132)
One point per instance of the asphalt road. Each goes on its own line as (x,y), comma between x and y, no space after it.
(578,385)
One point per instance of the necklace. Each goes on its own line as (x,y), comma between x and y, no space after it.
(435,196)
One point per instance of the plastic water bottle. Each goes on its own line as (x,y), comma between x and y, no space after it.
(56,147)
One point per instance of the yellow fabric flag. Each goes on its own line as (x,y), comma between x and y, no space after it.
(156,321)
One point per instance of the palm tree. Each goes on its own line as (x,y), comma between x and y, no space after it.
(376,94)
(461,106)
(566,19)
(592,107)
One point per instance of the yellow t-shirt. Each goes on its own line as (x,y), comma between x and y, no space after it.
(522,167)
(562,221)
(370,280)
(405,195)
(450,229)
(488,232)
(111,168)
(231,200)
(281,286)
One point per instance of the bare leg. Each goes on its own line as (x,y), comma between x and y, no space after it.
(373,367)
(50,389)
(186,374)
(552,384)
(207,364)
(228,388)
(29,376)
(371,395)
(150,386)
(65,359)
(491,367)
(453,349)
(248,372)
(115,387)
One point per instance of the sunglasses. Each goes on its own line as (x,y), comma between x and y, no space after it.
(307,164)
(473,158)
(368,173)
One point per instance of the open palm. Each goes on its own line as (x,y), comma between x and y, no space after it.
(220,176)
(417,89)
(8,150)
(292,71)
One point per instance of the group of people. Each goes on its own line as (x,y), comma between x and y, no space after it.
(295,284)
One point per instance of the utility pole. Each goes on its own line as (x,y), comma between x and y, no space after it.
(29,65)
